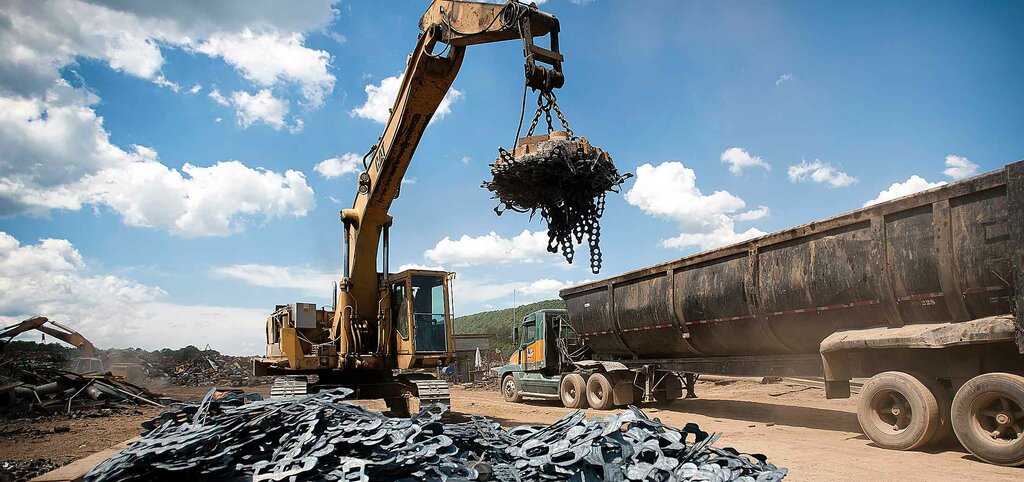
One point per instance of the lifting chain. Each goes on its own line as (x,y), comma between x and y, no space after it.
(546,102)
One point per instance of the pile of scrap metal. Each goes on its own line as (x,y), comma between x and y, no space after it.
(320,437)
(11,470)
(213,369)
(28,389)
(193,368)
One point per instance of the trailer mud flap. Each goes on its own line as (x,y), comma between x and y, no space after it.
(624,392)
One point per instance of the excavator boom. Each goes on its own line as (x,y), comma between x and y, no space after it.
(383,321)
(54,329)
(454,25)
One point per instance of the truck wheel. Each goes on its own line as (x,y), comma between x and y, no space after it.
(988,418)
(573,391)
(510,389)
(944,397)
(599,391)
(897,411)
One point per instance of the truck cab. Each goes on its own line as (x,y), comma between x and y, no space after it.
(536,364)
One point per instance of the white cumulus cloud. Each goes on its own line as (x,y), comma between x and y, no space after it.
(669,191)
(51,278)
(738,158)
(381,98)
(820,172)
(304,279)
(526,247)
(270,58)
(899,189)
(958,167)
(348,163)
(753,214)
(56,154)
(218,97)
(784,78)
(260,107)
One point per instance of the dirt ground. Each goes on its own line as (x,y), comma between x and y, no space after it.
(817,439)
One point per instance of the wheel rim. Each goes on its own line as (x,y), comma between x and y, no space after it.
(891,411)
(997,417)
(599,393)
(510,388)
(572,393)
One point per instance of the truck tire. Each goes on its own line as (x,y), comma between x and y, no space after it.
(988,418)
(510,389)
(599,391)
(573,391)
(944,397)
(897,411)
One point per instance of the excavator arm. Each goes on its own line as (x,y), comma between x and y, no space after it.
(448,27)
(52,328)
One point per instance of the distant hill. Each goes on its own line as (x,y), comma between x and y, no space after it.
(499,322)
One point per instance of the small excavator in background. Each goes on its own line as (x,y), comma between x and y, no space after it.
(87,362)
(386,331)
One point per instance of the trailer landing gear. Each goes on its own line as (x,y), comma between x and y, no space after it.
(690,384)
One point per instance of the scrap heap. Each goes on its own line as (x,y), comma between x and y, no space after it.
(29,388)
(320,437)
(563,177)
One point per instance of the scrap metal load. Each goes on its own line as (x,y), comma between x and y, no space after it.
(563,177)
(320,437)
(34,389)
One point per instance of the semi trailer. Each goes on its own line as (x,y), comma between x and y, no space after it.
(921,295)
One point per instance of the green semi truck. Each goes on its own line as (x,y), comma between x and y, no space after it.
(550,361)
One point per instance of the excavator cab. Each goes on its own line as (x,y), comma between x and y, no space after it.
(421,314)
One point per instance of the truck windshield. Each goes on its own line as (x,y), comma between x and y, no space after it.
(428,311)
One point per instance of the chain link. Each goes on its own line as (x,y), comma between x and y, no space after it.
(546,102)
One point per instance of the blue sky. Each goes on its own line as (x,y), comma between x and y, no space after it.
(750,117)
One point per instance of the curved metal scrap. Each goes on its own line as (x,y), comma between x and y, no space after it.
(320,437)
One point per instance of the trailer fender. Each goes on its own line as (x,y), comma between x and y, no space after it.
(835,348)
(605,366)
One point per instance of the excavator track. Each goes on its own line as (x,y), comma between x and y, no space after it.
(433,391)
(289,385)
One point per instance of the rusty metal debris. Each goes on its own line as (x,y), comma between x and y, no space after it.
(563,177)
(28,388)
(25,469)
(320,437)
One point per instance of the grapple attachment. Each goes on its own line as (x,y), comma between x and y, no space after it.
(563,177)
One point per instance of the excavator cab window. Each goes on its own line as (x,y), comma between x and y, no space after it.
(399,309)
(429,313)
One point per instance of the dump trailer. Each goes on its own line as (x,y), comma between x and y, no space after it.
(920,295)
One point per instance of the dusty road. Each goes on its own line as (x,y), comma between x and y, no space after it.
(817,439)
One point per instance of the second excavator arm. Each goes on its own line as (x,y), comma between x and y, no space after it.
(54,329)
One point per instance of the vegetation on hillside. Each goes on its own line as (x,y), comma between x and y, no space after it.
(499,322)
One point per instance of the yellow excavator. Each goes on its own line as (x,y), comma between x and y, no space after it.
(384,326)
(86,361)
